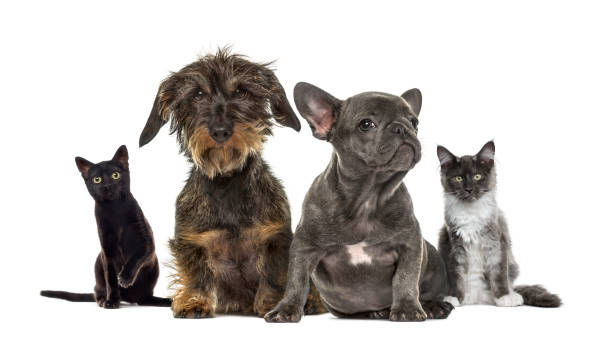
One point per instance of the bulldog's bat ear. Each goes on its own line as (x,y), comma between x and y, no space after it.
(446,157)
(318,107)
(486,155)
(414,99)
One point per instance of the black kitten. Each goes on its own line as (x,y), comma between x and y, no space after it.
(127,267)
(475,242)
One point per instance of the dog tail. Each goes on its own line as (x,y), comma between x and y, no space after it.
(155,301)
(74,297)
(536,295)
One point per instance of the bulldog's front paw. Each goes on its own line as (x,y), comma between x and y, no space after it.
(408,311)
(512,299)
(284,313)
(453,301)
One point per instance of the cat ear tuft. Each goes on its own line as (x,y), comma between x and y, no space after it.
(486,155)
(446,157)
(121,156)
(83,165)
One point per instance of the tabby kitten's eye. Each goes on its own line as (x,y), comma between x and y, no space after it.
(97,179)
(366,125)
(237,91)
(116,175)
(477,177)
(458,178)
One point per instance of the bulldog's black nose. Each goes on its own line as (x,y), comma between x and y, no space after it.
(221,133)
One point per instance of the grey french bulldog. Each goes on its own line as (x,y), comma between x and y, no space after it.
(358,238)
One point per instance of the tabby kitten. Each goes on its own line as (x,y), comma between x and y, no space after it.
(126,268)
(475,242)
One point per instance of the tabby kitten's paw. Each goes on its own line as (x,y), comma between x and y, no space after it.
(512,299)
(453,301)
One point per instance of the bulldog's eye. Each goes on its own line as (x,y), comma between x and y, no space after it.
(366,125)
(415,123)
(477,177)
(97,179)
(458,178)
(116,175)
(198,95)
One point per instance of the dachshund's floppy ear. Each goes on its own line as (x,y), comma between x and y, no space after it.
(160,113)
(279,104)
(318,108)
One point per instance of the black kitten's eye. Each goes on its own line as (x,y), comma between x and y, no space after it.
(198,95)
(366,125)
(415,123)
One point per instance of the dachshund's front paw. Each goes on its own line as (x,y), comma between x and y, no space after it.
(284,313)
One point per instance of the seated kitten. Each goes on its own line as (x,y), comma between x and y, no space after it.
(127,267)
(475,242)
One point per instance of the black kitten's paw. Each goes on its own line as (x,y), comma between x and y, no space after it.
(379,314)
(437,309)
(125,280)
(108,304)
(408,311)
(284,313)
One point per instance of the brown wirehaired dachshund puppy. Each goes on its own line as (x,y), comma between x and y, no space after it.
(233,224)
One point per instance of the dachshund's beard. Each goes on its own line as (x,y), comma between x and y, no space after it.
(214,158)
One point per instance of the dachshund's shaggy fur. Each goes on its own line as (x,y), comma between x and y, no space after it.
(233,223)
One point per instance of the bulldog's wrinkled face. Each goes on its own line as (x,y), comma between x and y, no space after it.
(372,129)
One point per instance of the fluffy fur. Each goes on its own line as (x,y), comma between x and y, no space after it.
(475,241)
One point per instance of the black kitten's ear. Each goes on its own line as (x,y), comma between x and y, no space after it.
(446,157)
(414,99)
(486,155)
(160,113)
(122,156)
(83,165)
(318,107)
(279,104)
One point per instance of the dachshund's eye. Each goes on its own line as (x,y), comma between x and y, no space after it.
(415,123)
(97,179)
(366,125)
(198,95)
(116,175)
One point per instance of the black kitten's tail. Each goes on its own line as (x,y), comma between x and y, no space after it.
(155,302)
(538,296)
(74,297)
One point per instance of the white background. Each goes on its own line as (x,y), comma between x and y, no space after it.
(80,79)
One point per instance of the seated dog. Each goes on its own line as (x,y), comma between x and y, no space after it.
(358,237)
(233,224)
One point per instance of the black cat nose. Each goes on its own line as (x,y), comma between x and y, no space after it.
(221,133)
(469,190)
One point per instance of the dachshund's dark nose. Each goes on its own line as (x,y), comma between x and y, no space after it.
(221,133)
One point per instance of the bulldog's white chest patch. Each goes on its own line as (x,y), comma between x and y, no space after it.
(357,254)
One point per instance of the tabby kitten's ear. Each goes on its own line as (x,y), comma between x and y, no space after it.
(83,165)
(486,154)
(121,156)
(446,157)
